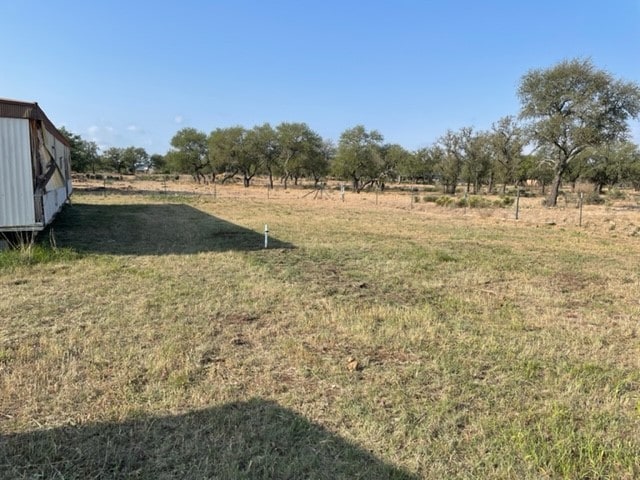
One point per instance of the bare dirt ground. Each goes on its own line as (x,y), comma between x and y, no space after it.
(619,217)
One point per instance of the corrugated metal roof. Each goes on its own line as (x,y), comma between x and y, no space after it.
(18,109)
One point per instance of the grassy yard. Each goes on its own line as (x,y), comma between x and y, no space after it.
(158,339)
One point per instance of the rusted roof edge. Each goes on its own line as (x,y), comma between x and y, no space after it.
(18,109)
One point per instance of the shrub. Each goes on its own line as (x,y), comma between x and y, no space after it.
(504,201)
(430,199)
(462,202)
(593,198)
(444,201)
(474,202)
(616,194)
(479,202)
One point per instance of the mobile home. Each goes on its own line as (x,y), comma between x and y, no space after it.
(35,168)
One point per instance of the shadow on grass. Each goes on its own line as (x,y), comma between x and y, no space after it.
(152,229)
(245,440)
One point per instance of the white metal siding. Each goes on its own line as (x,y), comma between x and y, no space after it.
(16,183)
(53,201)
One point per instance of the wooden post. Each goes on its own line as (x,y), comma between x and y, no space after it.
(580,223)
(517,202)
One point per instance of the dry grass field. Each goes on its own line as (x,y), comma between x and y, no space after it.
(150,335)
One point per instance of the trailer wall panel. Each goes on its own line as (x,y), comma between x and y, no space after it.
(53,201)
(16,176)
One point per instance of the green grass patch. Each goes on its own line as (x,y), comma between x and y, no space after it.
(34,254)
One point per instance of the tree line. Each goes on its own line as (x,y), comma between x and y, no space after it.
(572,126)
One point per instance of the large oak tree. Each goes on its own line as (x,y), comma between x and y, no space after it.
(359,156)
(573,106)
(300,146)
(189,153)
(231,153)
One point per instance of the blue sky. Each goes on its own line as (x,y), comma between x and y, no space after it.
(133,73)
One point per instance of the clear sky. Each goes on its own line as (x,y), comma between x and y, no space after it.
(135,72)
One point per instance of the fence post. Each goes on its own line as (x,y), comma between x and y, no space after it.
(580,223)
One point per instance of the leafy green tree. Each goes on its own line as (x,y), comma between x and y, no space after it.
(113,160)
(573,106)
(297,143)
(394,158)
(84,153)
(507,142)
(611,164)
(225,148)
(535,167)
(189,153)
(134,157)
(409,168)
(477,165)
(421,165)
(359,156)
(316,158)
(575,170)
(262,142)
(158,163)
(318,164)
(232,152)
(632,173)
(454,150)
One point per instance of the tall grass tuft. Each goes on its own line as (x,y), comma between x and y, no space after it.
(25,248)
